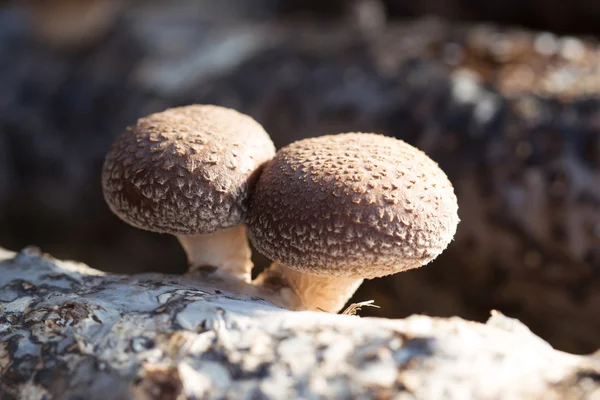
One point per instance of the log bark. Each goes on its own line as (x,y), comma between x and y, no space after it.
(69,331)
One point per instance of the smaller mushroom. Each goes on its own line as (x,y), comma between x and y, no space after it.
(334,210)
(189,171)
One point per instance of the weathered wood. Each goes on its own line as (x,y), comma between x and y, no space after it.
(69,331)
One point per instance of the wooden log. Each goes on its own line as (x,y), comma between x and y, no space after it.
(69,331)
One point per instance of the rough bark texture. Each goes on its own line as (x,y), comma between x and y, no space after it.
(513,118)
(70,331)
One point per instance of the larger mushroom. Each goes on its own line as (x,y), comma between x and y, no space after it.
(188,172)
(334,210)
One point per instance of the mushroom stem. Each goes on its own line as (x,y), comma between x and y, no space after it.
(227,250)
(301,291)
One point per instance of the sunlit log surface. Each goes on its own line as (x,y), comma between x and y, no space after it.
(70,331)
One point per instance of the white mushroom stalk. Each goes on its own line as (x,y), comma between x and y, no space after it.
(189,172)
(334,210)
(301,291)
(228,250)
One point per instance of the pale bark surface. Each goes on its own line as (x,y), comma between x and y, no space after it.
(69,331)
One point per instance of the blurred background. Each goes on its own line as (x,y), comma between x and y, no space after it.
(503,94)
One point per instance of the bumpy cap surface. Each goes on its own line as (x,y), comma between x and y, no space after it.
(352,205)
(186,170)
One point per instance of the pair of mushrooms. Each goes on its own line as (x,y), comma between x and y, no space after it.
(330,211)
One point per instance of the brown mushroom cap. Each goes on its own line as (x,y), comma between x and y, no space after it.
(352,205)
(186,170)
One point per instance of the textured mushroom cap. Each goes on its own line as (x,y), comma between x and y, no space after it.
(353,205)
(186,170)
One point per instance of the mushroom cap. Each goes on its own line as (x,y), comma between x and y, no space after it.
(352,205)
(187,170)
